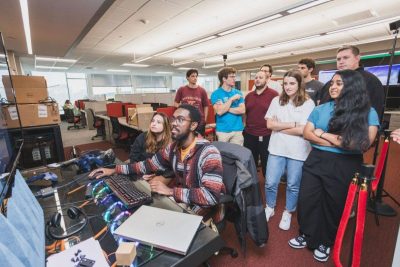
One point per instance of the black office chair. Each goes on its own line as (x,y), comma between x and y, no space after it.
(120,135)
(242,191)
(98,124)
(71,118)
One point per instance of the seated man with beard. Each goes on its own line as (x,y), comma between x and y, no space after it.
(196,163)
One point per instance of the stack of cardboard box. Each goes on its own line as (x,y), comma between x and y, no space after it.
(31,98)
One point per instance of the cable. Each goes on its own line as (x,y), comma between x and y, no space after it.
(65,204)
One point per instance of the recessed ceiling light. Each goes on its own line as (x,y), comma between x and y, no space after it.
(164,72)
(135,65)
(182,62)
(51,67)
(115,70)
(198,41)
(52,59)
(27,28)
(305,6)
(143,59)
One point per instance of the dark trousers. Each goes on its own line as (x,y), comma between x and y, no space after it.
(323,191)
(259,149)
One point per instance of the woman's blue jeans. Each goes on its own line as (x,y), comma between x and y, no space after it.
(276,166)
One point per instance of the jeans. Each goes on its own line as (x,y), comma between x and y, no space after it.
(275,168)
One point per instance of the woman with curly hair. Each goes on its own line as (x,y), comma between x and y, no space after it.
(339,132)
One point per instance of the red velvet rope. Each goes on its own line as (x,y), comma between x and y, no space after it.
(358,239)
(381,164)
(343,223)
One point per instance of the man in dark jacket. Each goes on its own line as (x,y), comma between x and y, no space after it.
(348,57)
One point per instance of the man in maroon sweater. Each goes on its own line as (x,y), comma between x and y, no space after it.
(256,134)
(194,95)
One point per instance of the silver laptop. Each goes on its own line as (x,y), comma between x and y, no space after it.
(165,229)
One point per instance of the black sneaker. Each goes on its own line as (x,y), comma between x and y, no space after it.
(298,242)
(322,253)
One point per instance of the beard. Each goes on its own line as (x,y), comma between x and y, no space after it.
(180,137)
(260,87)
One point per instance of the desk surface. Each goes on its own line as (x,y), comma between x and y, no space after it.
(205,243)
(122,121)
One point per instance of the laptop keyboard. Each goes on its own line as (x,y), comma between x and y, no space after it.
(127,192)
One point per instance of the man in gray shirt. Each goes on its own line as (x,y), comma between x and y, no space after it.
(306,66)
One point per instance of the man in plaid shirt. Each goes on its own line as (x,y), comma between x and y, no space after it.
(196,163)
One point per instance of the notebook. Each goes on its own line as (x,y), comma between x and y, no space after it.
(165,229)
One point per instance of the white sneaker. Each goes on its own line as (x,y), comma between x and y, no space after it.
(285,221)
(269,212)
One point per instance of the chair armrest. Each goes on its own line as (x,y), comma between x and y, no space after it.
(225,199)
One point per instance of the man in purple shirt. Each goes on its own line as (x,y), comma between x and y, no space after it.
(256,134)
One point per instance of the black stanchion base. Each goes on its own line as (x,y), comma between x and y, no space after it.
(381,208)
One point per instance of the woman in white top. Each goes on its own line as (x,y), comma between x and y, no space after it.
(286,117)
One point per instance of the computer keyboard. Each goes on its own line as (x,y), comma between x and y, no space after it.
(127,192)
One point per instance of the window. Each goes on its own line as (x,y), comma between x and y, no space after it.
(77,86)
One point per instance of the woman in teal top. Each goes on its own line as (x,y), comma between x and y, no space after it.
(339,132)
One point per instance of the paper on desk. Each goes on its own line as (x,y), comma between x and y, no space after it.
(90,247)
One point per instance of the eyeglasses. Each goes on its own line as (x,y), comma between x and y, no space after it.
(179,120)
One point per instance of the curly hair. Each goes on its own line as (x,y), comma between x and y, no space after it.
(301,94)
(152,146)
(350,118)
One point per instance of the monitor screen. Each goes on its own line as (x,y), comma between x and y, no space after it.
(379,71)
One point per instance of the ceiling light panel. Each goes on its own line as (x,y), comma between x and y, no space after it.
(51,67)
(307,6)
(135,65)
(51,59)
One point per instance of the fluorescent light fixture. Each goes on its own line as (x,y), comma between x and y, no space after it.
(3,65)
(135,65)
(202,74)
(2,55)
(53,59)
(251,24)
(213,66)
(305,6)
(183,68)
(165,52)
(27,28)
(51,67)
(164,72)
(198,41)
(246,50)
(115,70)
(363,25)
(182,62)
(294,40)
(143,59)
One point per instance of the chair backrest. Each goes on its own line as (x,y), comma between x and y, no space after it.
(69,115)
(96,121)
(169,111)
(211,115)
(115,125)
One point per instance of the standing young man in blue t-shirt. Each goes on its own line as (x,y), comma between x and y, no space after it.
(228,104)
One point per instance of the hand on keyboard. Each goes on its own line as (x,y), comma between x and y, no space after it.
(101,172)
(161,188)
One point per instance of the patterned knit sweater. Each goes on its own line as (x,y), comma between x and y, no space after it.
(198,177)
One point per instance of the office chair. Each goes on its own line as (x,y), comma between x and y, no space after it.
(169,111)
(120,135)
(209,133)
(98,124)
(243,201)
(71,118)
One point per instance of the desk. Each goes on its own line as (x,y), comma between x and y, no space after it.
(205,243)
(122,121)
(107,127)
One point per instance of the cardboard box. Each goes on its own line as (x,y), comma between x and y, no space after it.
(28,89)
(140,116)
(9,117)
(39,114)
